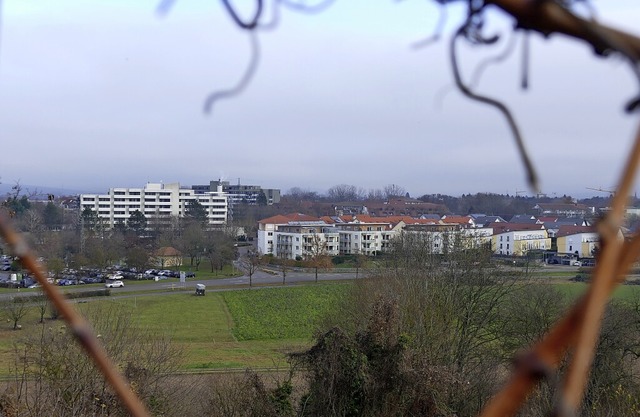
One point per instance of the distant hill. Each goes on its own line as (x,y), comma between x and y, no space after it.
(38,192)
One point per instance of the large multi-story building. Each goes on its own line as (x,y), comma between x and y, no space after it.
(238,193)
(157,201)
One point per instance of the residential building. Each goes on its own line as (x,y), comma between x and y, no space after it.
(517,239)
(444,237)
(364,237)
(268,228)
(306,239)
(564,209)
(241,194)
(404,206)
(577,240)
(157,201)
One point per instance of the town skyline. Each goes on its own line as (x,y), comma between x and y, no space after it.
(44,190)
(339,97)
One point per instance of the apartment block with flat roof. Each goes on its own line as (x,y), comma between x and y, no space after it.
(157,201)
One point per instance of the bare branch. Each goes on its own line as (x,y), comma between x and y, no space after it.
(244,81)
(307,8)
(496,59)
(437,32)
(252,23)
(532,177)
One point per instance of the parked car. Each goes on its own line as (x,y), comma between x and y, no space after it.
(114,284)
(576,263)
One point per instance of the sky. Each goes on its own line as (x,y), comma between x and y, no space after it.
(99,94)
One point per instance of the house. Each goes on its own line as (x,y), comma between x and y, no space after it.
(466,221)
(525,218)
(518,239)
(365,235)
(444,237)
(404,206)
(564,209)
(482,220)
(306,239)
(578,240)
(268,227)
(167,257)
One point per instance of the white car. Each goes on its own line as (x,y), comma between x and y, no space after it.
(114,284)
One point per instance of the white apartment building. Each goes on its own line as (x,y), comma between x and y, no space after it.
(364,238)
(157,201)
(304,240)
(443,237)
(519,242)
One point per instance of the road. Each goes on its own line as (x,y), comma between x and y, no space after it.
(260,278)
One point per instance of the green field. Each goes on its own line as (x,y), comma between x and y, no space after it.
(236,328)
(233,329)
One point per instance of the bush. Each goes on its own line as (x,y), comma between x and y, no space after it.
(105,292)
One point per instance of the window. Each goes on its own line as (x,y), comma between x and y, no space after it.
(507,247)
(507,238)
(270,234)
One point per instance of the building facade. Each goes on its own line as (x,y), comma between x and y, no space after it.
(241,194)
(157,201)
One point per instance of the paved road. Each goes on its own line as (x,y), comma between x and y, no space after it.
(260,278)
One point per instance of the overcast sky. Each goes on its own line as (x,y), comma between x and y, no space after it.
(99,94)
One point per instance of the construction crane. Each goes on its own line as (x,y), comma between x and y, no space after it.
(602,190)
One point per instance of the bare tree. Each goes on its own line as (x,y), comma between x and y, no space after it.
(299,194)
(42,303)
(359,260)
(15,309)
(283,264)
(252,264)
(317,256)
(54,377)
(344,192)
(393,190)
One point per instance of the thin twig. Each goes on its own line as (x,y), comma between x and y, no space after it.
(496,59)
(307,8)
(597,295)
(532,177)
(437,32)
(547,353)
(526,51)
(244,81)
(78,325)
(252,23)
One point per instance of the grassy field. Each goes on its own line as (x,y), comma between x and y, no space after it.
(278,314)
(629,293)
(234,329)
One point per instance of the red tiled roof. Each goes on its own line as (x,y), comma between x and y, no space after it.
(566,230)
(457,219)
(291,217)
(168,251)
(500,227)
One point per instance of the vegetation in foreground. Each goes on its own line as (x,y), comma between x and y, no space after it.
(426,334)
